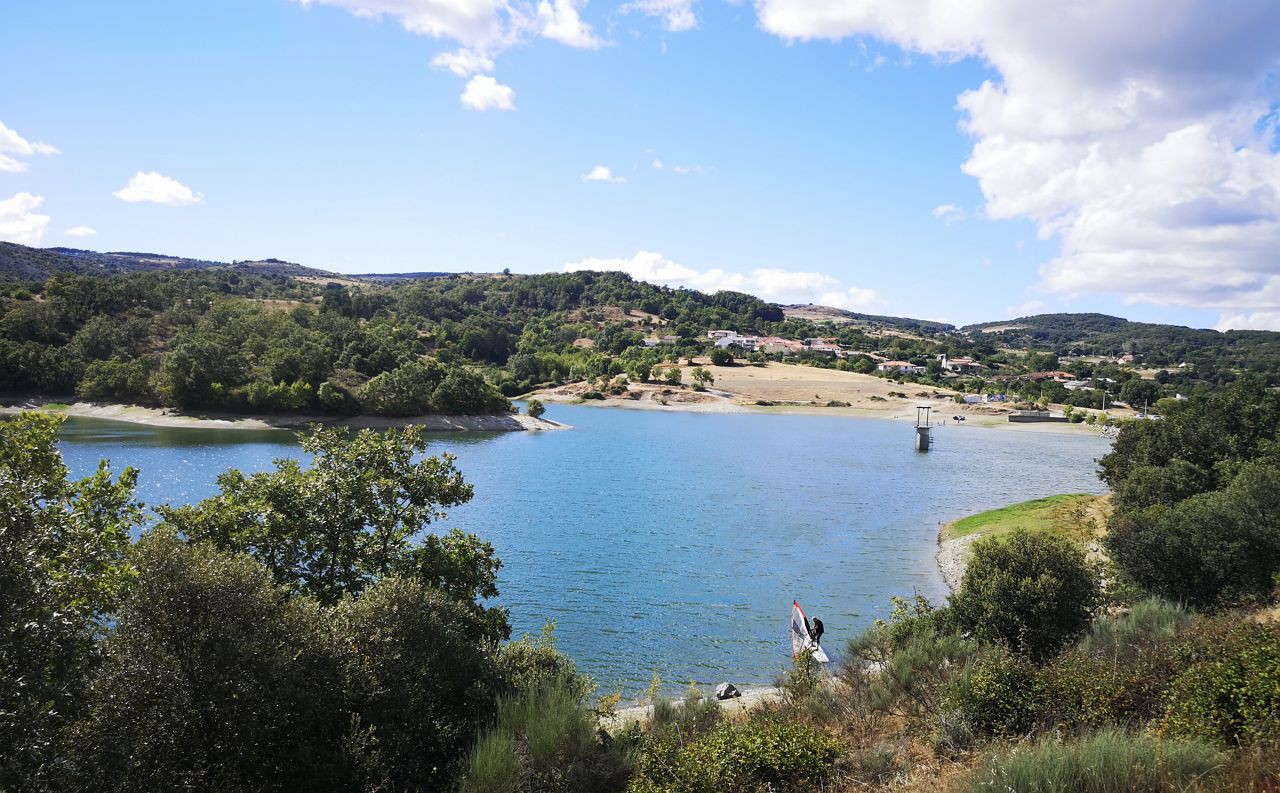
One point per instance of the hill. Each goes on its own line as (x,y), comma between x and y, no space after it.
(1154,345)
(22,263)
(812,312)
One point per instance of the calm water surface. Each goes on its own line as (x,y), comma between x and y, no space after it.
(675,542)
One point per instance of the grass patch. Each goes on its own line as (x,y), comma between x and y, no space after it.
(1108,761)
(1068,515)
(55,406)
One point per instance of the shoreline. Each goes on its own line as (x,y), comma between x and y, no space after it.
(718,403)
(161,417)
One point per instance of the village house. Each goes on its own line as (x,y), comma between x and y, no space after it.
(960,365)
(901,367)
(775,344)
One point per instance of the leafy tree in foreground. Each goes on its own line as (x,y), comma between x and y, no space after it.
(62,570)
(216,679)
(359,513)
(1030,592)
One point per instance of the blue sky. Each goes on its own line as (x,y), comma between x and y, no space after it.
(810,151)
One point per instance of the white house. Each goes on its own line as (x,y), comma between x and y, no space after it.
(960,365)
(901,367)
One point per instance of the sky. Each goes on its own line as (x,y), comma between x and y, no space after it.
(957,161)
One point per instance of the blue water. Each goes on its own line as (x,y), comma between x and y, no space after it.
(675,542)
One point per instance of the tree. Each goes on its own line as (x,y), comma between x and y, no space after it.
(407,390)
(422,681)
(721,357)
(62,572)
(1209,549)
(216,679)
(1030,592)
(359,513)
(701,377)
(673,376)
(534,408)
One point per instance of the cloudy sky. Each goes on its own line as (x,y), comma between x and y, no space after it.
(956,160)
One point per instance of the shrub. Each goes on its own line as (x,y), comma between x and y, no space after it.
(754,756)
(1146,622)
(999,694)
(545,741)
(534,408)
(1030,592)
(1230,692)
(1110,761)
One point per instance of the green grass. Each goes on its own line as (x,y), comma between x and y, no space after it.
(1066,514)
(1108,762)
(55,406)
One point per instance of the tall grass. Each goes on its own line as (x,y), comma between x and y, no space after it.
(544,739)
(1110,761)
(1146,622)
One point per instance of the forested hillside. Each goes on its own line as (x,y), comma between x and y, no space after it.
(270,336)
(1158,346)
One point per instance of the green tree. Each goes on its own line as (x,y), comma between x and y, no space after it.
(216,679)
(534,408)
(701,377)
(62,571)
(421,678)
(1208,549)
(721,357)
(673,375)
(1030,592)
(359,513)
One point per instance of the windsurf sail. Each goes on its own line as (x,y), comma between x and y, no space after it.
(801,639)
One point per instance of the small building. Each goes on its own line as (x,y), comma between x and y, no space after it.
(1127,358)
(960,365)
(901,367)
(721,334)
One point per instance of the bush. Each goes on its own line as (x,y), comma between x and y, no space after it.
(999,694)
(545,741)
(755,756)
(1033,593)
(534,408)
(1146,623)
(1108,762)
(1230,691)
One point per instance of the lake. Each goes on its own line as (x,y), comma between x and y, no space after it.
(675,542)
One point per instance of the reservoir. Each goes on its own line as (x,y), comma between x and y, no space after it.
(675,542)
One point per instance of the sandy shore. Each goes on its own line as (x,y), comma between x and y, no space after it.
(953,557)
(751,697)
(157,417)
(807,390)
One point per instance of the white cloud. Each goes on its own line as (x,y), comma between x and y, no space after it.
(80,231)
(685,170)
(560,21)
(1141,135)
(17,221)
(787,286)
(949,213)
(657,164)
(11,143)
(1024,309)
(157,189)
(477,24)
(1257,320)
(677,15)
(463,62)
(485,93)
(852,299)
(601,173)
